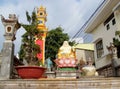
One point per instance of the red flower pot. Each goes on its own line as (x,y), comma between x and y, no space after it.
(30,72)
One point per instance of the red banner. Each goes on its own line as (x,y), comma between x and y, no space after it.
(40,43)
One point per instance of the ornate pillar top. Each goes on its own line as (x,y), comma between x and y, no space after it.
(11,26)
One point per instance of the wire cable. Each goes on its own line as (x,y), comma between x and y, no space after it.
(78,33)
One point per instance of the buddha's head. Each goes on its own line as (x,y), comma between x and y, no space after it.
(65,43)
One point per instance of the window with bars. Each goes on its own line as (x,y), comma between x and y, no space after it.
(99,49)
(107,23)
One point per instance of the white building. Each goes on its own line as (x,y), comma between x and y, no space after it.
(84,51)
(103,25)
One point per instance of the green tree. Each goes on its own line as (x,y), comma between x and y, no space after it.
(116,42)
(28,48)
(54,40)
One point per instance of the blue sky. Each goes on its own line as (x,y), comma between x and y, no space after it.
(69,14)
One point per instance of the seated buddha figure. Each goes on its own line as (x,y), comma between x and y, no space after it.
(66,51)
(89,69)
(66,56)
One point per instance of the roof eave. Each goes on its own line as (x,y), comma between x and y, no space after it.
(101,14)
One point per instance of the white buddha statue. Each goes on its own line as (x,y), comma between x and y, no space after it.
(89,69)
(66,51)
(66,56)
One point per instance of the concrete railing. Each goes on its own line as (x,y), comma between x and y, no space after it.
(81,83)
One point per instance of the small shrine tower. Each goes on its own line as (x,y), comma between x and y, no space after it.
(11,26)
(42,18)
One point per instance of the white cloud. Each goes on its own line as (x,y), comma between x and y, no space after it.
(78,40)
(70,14)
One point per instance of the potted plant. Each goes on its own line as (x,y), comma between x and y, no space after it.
(29,50)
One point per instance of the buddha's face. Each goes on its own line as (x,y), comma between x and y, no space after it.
(65,43)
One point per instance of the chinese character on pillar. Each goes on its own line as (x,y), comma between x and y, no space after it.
(41,17)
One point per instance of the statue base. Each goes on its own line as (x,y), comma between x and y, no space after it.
(50,74)
(67,69)
(67,73)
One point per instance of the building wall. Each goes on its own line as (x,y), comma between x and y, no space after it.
(117,16)
(103,30)
(103,61)
(84,54)
(80,54)
(89,53)
(101,33)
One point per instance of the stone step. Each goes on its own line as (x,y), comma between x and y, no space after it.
(81,83)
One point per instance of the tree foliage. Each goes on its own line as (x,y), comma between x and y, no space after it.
(28,48)
(116,42)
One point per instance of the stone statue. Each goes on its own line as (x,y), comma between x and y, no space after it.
(66,56)
(112,50)
(49,64)
(89,69)
(66,51)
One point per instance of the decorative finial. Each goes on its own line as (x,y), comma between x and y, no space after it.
(12,17)
(2,17)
